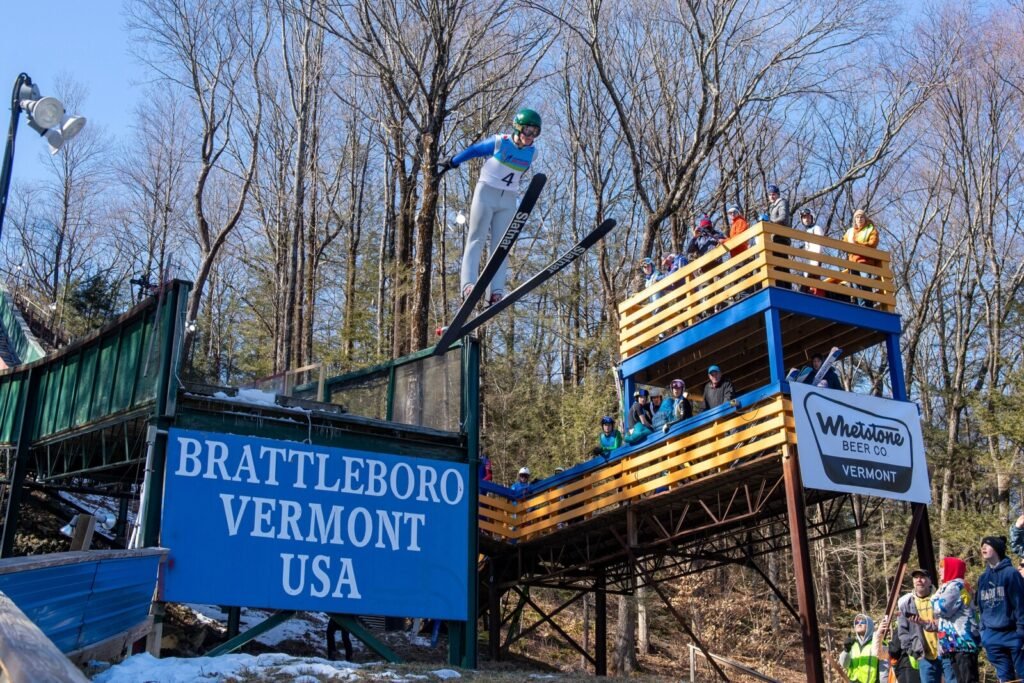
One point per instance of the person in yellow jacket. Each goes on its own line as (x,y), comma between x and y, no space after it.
(864,658)
(865,234)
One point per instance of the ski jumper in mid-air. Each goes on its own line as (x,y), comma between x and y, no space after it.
(509,157)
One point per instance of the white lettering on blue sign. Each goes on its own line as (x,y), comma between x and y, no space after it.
(236,508)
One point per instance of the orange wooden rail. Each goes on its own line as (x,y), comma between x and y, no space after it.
(696,290)
(756,432)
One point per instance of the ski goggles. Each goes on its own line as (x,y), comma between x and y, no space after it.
(529,131)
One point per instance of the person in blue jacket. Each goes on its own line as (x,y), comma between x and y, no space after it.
(495,199)
(1001,608)
(611,438)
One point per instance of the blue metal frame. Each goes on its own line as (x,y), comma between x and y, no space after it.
(776,363)
(892,352)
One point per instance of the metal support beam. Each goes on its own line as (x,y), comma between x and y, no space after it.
(354,627)
(775,589)
(600,626)
(16,479)
(234,621)
(925,546)
(493,616)
(813,665)
(776,362)
(465,655)
(274,620)
(549,619)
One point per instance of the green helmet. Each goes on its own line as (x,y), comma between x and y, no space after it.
(525,117)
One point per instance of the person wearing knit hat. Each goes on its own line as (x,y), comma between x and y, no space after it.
(864,233)
(956,622)
(1001,610)
(705,238)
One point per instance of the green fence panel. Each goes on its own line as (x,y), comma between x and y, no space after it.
(127,367)
(86,384)
(70,382)
(105,375)
(11,388)
(25,348)
(149,361)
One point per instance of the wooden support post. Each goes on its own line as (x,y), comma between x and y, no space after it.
(813,665)
(84,529)
(600,626)
(156,636)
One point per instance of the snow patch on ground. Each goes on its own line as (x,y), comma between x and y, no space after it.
(255,668)
(445,674)
(308,627)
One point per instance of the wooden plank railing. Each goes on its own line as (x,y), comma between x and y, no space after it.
(699,288)
(759,431)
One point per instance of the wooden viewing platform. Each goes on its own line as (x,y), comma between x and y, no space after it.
(693,292)
(707,444)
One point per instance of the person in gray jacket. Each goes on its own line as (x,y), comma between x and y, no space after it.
(778,207)
(915,627)
(778,213)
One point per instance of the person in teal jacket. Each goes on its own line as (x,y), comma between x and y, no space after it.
(611,438)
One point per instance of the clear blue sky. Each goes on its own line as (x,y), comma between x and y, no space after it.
(85,41)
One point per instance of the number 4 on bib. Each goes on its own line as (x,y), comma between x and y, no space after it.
(509,178)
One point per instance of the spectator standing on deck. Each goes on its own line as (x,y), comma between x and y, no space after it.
(718,390)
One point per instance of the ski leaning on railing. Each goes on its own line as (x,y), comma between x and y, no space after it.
(522,290)
(795,375)
(498,256)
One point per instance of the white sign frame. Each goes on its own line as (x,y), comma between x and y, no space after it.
(854,443)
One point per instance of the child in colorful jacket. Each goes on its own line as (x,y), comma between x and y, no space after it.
(956,622)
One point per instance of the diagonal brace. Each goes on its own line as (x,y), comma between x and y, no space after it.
(649,580)
(548,618)
(250,634)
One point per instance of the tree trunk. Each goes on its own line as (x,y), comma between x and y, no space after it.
(643,632)
(624,655)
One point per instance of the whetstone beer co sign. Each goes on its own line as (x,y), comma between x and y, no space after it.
(860,444)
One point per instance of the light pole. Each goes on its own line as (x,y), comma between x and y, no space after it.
(45,115)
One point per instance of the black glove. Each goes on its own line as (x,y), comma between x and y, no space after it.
(445,166)
(848,645)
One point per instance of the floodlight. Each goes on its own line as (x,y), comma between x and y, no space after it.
(46,111)
(460,218)
(71,126)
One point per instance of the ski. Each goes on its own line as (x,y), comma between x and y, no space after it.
(792,374)
(804,374)
(553,268)
(515,226)
(826,364)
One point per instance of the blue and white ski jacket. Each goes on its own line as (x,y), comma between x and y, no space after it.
(506,164)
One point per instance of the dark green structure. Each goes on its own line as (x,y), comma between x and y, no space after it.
(99,410)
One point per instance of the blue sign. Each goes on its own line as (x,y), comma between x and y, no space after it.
(279,524)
